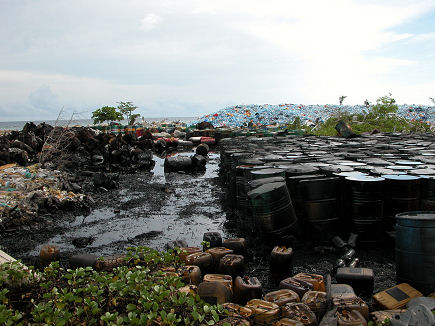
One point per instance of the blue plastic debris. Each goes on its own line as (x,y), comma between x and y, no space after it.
(266,114)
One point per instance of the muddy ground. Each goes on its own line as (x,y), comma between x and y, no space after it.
(151,208)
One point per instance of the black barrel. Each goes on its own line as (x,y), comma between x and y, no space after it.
(243,177)
(427,201)
(365,207)
(415,250)
(321,208)
(267,173)
(294,189)
(402,194)
(273,211)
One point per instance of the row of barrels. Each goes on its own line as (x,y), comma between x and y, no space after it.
(324,187)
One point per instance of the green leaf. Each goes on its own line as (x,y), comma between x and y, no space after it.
(131,307)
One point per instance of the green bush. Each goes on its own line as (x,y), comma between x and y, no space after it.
(381,116)
(139,293)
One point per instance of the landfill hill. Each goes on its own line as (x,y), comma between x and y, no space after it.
(267,114)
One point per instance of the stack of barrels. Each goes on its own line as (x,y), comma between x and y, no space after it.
(328,186)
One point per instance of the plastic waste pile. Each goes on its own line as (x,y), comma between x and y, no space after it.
(267,114)
(24,191)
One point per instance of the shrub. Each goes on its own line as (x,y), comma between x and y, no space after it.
(139,293)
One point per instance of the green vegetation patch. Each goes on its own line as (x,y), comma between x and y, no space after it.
(381,117)
(140,293)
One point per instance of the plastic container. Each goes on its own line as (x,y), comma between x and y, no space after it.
(281,297)
(347,317)
(247,288)
(281,260)
(233,321)
(226,280)
(380,316)
(300,312)
(190,274)
(342,291)
(297,285)
(315,279)
(236,310)
(201,259)
(186,251)
(232,264)
(189,289)
(48,254)
(316,300)
(288,322)
(361,279)
(396,297)
(263,312)
(237,245)
(214,292)
(108,263)
(214,238)
(217,253)
(355,303)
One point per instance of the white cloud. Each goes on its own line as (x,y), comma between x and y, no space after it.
(171,56)
(150,21)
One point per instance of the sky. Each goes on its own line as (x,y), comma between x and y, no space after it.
(186,58)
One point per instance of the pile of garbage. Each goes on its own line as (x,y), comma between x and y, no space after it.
(217,273)
(44,168)
(267,114)
(26,191)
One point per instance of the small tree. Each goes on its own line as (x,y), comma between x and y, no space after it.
(127,108)
(385,105)
(341,99)
(106,113)
(432,100)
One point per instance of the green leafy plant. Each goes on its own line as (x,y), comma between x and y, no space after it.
(106,113)
(127,108)
(141,292)
(381,116)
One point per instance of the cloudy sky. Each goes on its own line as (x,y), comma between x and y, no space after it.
(191,57)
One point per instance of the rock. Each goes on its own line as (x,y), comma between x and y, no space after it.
(19,156)
(106,180)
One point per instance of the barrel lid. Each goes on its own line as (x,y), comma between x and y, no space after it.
(352,163)
(414,217)
(399,167)
(251,161)
(317,164)
(301,169)
(383,171)
(336,168)
(260,182)
(364,178)
(423,171)
(267,171)
(268,187)
(407,162)
(349,173)
(400,177)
